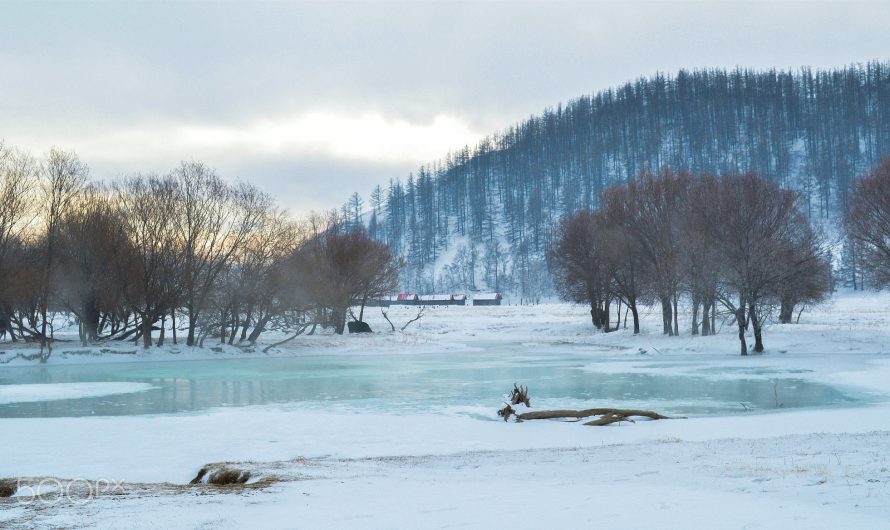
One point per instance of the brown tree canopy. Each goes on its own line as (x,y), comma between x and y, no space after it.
(579,263)
(738,240)
(868,222)
(337,270)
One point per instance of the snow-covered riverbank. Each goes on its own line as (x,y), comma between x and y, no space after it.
(339,467)
(813,482)
(849,323)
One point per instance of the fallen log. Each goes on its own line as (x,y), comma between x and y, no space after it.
(607,415)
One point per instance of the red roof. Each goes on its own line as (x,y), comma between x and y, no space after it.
(404,297)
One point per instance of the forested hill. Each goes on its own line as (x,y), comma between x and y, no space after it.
(483,217)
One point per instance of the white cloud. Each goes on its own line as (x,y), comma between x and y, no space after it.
(311,160)
(367,137)
(363,137)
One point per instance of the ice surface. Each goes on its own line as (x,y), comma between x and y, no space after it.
(30,393)
(419,384)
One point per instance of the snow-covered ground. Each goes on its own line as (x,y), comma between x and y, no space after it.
(317,467)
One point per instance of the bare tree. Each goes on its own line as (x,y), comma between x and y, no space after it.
(755,221)
(701,255)
(653,206)
(579,266)
(628,266)
(344,269)
(91,241)
(18,180)
(868,222)
(212,220)
(248,294)
(146,204)
(804,269)
(63,179)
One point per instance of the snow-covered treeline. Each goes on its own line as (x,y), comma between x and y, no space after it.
(809,130)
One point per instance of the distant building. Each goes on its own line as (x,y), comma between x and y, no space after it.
(406,299)
(443,299)
(379,302)
(429,299)
(487,299)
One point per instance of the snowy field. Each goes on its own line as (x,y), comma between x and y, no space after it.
(399,429)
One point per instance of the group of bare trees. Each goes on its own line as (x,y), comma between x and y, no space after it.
(735,243)
(867,222)
(182,251)
(341,270)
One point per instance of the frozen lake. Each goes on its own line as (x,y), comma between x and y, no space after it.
(470,384)
(389,418)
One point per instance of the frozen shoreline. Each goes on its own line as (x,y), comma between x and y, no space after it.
(849,323)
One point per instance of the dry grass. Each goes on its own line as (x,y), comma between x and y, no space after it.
(7,488)
(221,476)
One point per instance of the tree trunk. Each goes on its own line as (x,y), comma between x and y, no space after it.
(786,311)
(361,311)
(636,314)
(162,331)
(740,319)
(618,315)
(339,320)
(42,326)
(595,310)
(102,323)
(666,317)
(90,320)
(706,318)
(173,323)
(259,328)
(146,333)
(755,325)
(247,318)
(193,316)
(695,305)
(676,317)
(608,415)
(713,317)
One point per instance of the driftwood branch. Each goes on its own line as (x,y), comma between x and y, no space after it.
(519,394)
(415,319)
(607,415)
(388,320)
(292,337)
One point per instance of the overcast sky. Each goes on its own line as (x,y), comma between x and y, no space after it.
(314,101)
